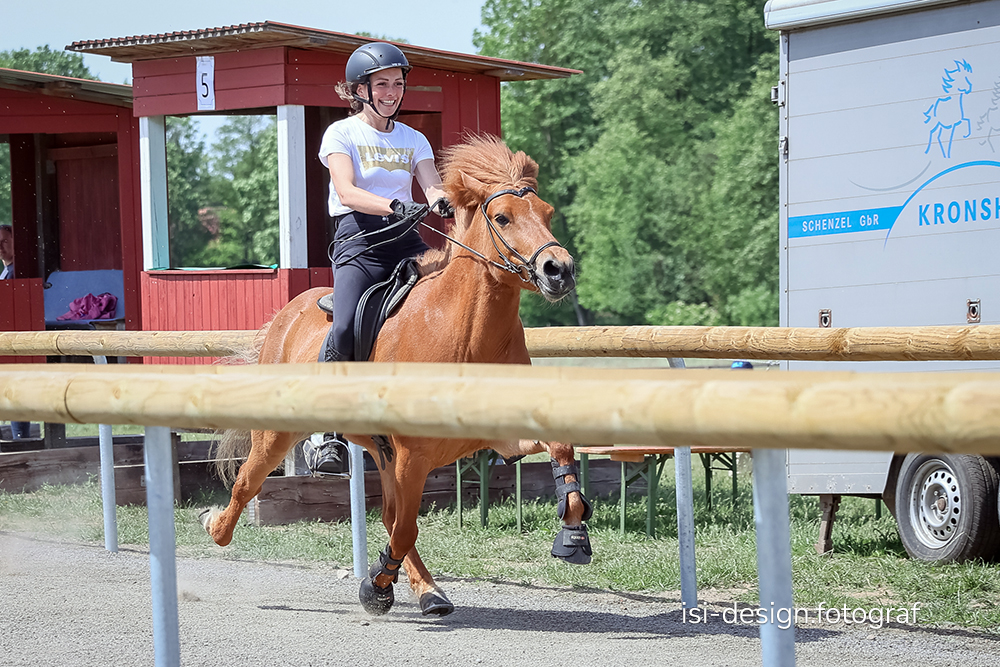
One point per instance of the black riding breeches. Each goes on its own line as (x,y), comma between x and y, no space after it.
(356,267)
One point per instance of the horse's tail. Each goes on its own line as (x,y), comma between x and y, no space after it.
(231,451)
(233,444)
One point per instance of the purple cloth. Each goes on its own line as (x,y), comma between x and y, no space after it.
(90,307)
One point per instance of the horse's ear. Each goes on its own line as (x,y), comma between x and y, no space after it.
(470,192)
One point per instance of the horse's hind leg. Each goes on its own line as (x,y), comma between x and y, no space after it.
(266,453)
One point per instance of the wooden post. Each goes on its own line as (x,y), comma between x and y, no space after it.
(153,190)
(458,487)
(517,500)
(621,504)
(706,460)
(54,436)
(483,461)
(293,249)
(829,503)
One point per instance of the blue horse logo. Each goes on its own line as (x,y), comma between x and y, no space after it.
(947,113)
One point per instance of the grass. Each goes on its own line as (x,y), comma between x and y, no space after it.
(868,568)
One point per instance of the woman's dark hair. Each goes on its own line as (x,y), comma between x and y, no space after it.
(347,92)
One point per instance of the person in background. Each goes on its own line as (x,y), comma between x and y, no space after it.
(19,430)
(7,251)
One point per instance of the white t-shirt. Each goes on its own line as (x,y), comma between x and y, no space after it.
(383,161)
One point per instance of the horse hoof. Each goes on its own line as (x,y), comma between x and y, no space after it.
(376,601)
(205,518)
(432,603)
(572,544)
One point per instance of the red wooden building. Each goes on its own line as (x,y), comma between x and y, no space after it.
(291,72)
(74,155)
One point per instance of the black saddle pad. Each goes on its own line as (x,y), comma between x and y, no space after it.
(376,305)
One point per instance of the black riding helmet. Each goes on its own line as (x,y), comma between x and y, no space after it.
(371,58)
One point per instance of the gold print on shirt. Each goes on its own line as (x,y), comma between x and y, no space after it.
(389,159)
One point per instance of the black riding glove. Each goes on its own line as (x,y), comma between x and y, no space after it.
(411,210)
(444,208)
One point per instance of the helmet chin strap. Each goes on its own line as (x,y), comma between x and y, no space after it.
(369,102)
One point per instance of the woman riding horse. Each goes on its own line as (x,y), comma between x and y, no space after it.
(372,160)
(464,308)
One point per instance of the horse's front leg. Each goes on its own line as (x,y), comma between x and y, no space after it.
(572,543)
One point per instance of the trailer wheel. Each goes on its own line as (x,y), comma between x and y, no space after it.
(946,507)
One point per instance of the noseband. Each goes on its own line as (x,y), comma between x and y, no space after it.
(526,265)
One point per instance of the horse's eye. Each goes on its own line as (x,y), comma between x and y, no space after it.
(501,219)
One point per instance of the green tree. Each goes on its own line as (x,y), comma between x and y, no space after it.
(45,60)
(551,121)
(738,255)
(245,165)
(629,150)
(189,186)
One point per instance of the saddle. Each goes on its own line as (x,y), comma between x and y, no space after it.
(376,305)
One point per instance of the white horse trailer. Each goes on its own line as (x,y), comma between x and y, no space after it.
(890,216)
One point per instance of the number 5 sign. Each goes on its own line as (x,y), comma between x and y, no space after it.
(206,83)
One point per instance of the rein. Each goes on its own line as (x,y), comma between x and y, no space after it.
(525,270)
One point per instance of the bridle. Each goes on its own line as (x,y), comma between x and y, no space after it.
(526,270)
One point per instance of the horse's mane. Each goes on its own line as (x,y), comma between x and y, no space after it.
(472,171)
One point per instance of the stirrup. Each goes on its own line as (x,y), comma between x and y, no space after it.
(329,458)
(564,488)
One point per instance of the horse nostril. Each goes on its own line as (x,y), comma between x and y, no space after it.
(552,269)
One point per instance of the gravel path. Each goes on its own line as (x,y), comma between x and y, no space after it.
(71,604)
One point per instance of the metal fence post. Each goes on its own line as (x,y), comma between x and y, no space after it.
(162,547)
(107,451)
(685,527)
(359,521)
(774,556)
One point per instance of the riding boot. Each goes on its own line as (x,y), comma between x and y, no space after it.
(328,351)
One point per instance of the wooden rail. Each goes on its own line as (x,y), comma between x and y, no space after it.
(125,343)
(782,343)
(952,412)
(969,343)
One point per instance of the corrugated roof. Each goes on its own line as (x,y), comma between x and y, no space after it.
(244,36)
(67,87)
(792,14)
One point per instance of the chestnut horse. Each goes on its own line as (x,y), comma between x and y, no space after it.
(464,308)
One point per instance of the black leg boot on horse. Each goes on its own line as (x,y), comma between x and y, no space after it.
(572,543)
(378,600)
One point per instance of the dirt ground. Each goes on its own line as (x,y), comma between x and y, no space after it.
(72,604)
